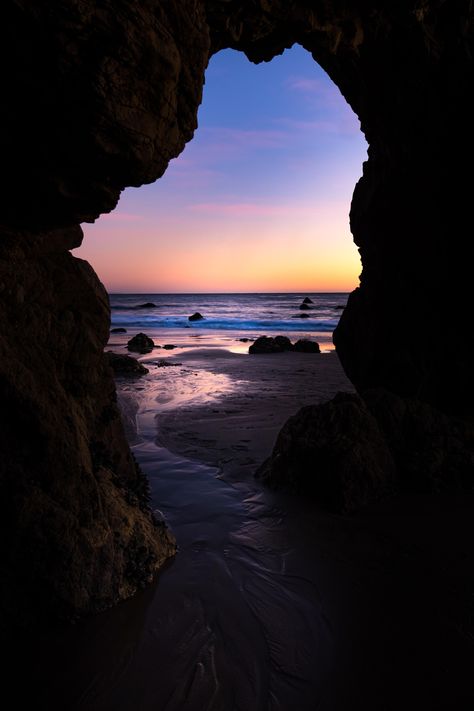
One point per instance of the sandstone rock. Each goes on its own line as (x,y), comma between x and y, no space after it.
(77,533)
(196,317)
(141,343)
(125,365)
(306,346)
(334,452)
(118,330)
(307,300)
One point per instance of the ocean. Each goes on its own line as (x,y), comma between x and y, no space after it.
(228,317)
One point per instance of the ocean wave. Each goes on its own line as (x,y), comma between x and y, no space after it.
(231,324)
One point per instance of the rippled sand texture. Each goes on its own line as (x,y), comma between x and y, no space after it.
(269,604)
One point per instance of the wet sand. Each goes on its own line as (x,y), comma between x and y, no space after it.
(270,604)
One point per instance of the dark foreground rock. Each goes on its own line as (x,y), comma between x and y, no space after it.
(352,451)
(196,317)
(125,365)
(334,452)
(141,343)
(118,330)
(77,533)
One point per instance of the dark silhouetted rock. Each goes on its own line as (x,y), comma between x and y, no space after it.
(304,345)
(305,307)
(284,343)
(245,340)
(118,330)
(148,305)
(169,347)
(334,452)
(307,300)
(196,317)
(125,365)
(340,306)
(301,316)
(433,452)
(141,343)
(264,344)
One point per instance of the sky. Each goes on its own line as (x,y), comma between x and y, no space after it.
(259,199)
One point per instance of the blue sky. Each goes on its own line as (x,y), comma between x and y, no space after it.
(258,200)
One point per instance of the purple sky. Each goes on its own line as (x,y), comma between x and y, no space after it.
(258,201)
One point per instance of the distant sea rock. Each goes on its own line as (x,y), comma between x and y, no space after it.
(169,346)
(307,300)
(125,365)
(140,343)
(196,317)
(118,330)
(304,307)
(148,305)
(301,316)
(245,340)
(304,345)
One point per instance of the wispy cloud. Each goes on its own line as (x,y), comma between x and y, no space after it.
(347,124)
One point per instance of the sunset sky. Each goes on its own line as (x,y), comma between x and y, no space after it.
(258,201)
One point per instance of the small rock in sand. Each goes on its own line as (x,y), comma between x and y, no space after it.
(306,346)
(140,343)
(196,317)
(125,365)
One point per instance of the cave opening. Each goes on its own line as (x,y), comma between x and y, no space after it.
(258,202)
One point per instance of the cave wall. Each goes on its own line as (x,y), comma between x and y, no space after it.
(101,94)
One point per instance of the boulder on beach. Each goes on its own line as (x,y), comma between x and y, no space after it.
(284,343)
(301,316)
(304,307)
(304,345)
(118,330)
(307,300)
(196,317)
(125,365)
(264,344)
(169,346)
(148,305)
(141,343)
(334,452)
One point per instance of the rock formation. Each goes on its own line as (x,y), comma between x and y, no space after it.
(125,365)
(100,96)
(141,343)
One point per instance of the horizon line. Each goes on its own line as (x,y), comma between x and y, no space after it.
(210,293)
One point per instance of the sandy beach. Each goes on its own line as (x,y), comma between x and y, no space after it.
(269,604)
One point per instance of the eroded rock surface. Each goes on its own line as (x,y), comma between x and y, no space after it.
(77,534)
